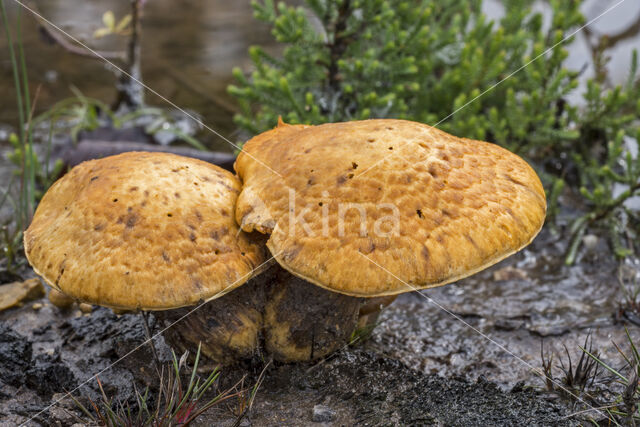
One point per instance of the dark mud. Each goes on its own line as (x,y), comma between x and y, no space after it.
(356,387)
(45,353)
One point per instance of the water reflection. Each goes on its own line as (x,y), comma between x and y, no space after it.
(188,50)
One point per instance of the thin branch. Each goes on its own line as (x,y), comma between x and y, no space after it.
(599,43)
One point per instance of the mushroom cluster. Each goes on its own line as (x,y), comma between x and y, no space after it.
(352,213)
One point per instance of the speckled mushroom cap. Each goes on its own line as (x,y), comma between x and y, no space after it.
(259,218)
(432,209)
(142,230)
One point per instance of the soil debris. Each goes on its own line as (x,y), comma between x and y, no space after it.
(16,293)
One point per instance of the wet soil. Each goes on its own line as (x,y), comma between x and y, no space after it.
(47,352)
(527,301)
(423,365)
(356,386)
(359,387)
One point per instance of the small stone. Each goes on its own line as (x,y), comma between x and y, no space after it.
(590,242)
(322,414)
(59,299)
(85,308)
(549,330)
(509,273)
(51,76)
(37,306)
(63,400)
(506,324)
(14,294)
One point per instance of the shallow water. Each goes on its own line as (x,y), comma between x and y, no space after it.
(188,51)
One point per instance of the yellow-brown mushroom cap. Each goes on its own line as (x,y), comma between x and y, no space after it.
(381,207)
(257,145)
(142,230)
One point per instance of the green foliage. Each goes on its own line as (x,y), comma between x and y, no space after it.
(444,63)
(81,113)
(43,176)
(393,58)
(11,243)
(603,164)
(111,27)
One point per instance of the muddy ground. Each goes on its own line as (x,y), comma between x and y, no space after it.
(423,365)
(356,386)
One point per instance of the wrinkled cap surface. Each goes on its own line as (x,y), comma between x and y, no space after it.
(142,230)
(380,207)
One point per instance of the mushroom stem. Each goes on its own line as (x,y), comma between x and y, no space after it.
(304,322)
(276,313)
(370,312)
(226,328)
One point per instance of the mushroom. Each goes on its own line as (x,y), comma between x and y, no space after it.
(371,209)
(381,207)
(152,232)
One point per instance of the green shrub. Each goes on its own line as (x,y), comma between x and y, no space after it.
(444,63)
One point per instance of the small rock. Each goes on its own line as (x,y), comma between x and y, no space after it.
(590,242)
(59,299)
(51,76)
(322,414)
(509,273)
(549,330)
(60,416)
(37,306)
(85,308)
(505,324)
(63,400)
(13,294)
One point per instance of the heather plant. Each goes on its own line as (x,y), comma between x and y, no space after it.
(446,64)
